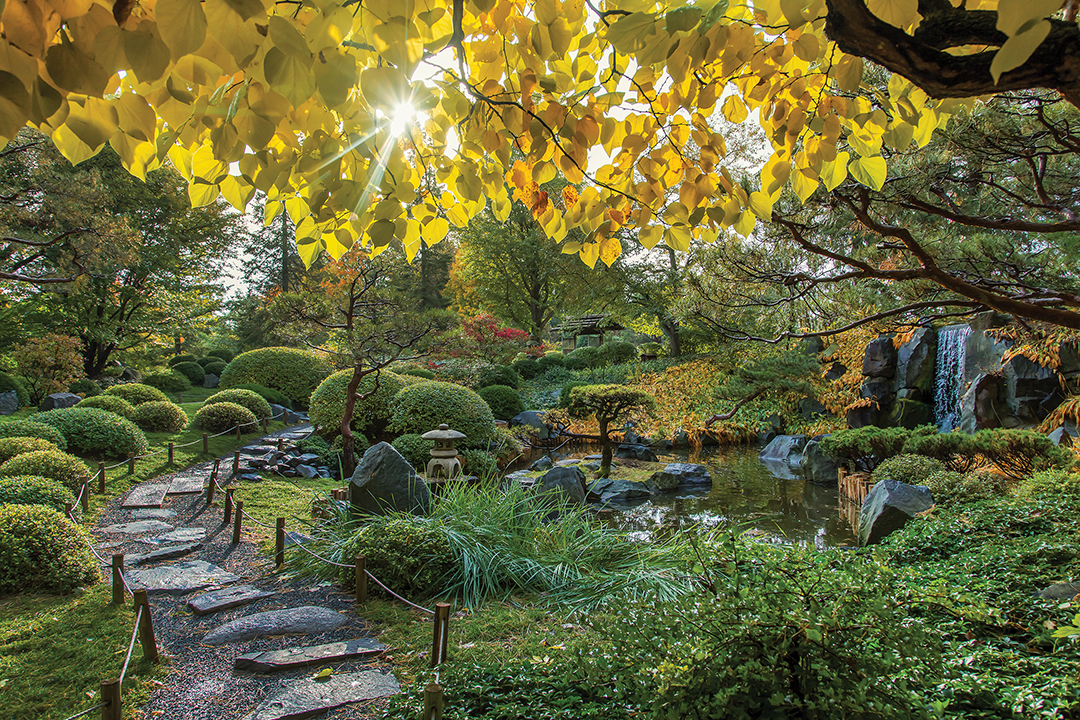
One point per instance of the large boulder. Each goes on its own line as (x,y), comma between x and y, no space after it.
(888,508)
(563,484)
(59,400)
(785,448)
(384,481)
(915,361)
(636,451)
(541,464)
(880,358)
(9,402)
(983,355)
(818,467)
(210,380)
(675,474)
(880,390)
(811,408)
(607,490)
(534,420)
(983,405)
(910,414)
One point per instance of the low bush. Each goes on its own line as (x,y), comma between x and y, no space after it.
(616,352)
(174,361)
(503,400)
(527,367)
(42,551)
(65,469)
(651,348)
(9,383)
(498,375)
(949,488)
(956,450)
(420,373)
(505,445)
(215,368)
(905,468)
(408,555)
(582,358)
(193,371)
(85,387)
(169,381)
(567,388)
(245,398)
(371,413)
(224,355)
(92,431)
(204,361)
(480,463)
(222,416)
(137,393)
(35,490)
(551,360)
(111,403)
(12,446)
(268,394)
(160,417)
(423,407)
(415,449)
(1053,484)
(330,454)
(865,448)
(1018,453)
(29,428)
(294,372)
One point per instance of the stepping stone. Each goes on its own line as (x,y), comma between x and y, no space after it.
(1060,591)
(146,496)
(306,620)
(108,545)
(153,514)
(181,578)
(307,696)
(188,485)
(292,658)
(139,526)
(183,535)
(165,553)
(226,599)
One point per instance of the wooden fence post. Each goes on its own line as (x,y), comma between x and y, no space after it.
(442,633)
(228,504)
(131,463)
(85,497)
(361,580)
(68,507)
(265,425)
(280,444)
(205,444)
(236,462)
(101,477)
(146,627)
(238,437)
(210,485)
(118,579)
(279,542)
(179,398)
(110,696)
(433,702)
(172,447)
(237,520)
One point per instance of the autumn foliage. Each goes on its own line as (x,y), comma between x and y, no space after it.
(48,364)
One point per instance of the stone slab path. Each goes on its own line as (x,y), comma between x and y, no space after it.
(307,696)
(306,620)
(182,577)
(146,495)
(225,599)
(272,660)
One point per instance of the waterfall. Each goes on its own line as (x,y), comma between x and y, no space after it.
(949,375)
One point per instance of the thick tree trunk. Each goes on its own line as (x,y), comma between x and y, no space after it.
(606,452)
(348,441)
(670,328)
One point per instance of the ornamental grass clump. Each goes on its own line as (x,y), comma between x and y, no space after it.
(137,393)
(219,417)
(42,551)
(92,431)
(66,469)
(12,446)
(160,417)
(35,490)
(29,428)
(244,398)
(110,403)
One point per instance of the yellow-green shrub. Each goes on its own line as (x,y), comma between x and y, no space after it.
(294,372)
(42,551)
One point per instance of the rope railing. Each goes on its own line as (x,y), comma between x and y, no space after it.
(87,711)
(131,647)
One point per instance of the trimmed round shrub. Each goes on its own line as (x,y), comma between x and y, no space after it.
(42,551)
(29,428)
(160,417)
(222,416)
(244,398)
(137,393)
(504,401)
(527,368)
(617,352)
(65,469)
(13,446)
(193,371)
(910,469)
(92,431)
(409,555)
(204,361)
(224,355)
(550,361)
(85,387)
(498,375)
(174,361)
(415,449)
(168,381)
(582,358)
(480,463)
(215,368)
(268,394)
(423,373)
(423,407)
(373,412)
(111,403)
(9,383)
(294,372)
(34,490)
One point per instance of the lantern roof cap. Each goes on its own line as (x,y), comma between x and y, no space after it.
(443,432)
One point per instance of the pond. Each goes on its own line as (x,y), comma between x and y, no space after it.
(765,498)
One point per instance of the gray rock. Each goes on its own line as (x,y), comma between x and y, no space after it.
(818,467)
(836,371)
(675,474)
(305,697)
(130,374)
(910,414)
(680,439)
(292,658)
(636,451)
(305,620)
(323,471)
(386,481)
(880,358)
(277,412)
(534,420)
(880,390)
(184,534)
(183,577)
(785,448)
(226,599)
(59,400)
(210,380)
(811,407)
(249,477)
(568,462)
(146,495)
(307,471)
(9,402)
(563,484)
(591,466)
(135,528)
(983,355)
(309,458)
(915,361)
(153,514)
(888,507)
(619,490)
(811,345)
(1060,437)
(1060,591)
(188,484)
(170,552)
(983,405)
(541,464)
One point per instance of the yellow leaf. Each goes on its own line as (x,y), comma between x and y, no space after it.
(1012,15)
(148,54)
(865,140)
(182,24)
(236,192)
(384,88)
(289,75)
(677,237)
(589,254)
(761,205)
(136,117)
(1017,49)
(14,105)
(411,241)
(399,42)
(650,235)
(775,174)
(631,32)
(745,224)
(335,77)
(734,109)
(610,249)
(202,194)
(93,122)
(803,182)
(73,70)
(833,173)
(848,73)
(900,13)
(870,171)
(435,230)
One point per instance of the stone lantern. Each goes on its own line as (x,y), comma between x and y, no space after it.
(444,458)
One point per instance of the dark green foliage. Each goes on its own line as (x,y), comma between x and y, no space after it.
(112,403)
(499,375)
(245,398)
(215,368)
(415,449)
(371,413)
(92,431)
(567,388)
(771,376)
(957,451)
(420,373)
(410,556)
(9,383)
(12,446)
(616,352)
(174,361)
(224,355)
(137,393)
(160,416)
(204,361)
(503,400)
(651,348)
(1018,453)
(294,372)
(950,488)
(551,360)
(527,368)
(423,407)
(1052,483)
(480,463)
(29,428)
(35,490)
(582,358)
(906,468)
(65,469)
(193,371)
(268,394)
(219,417)
(609,402)
(85,387)
(42,551)
(866,447)
(169,381)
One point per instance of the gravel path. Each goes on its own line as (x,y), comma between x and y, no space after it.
(202,684)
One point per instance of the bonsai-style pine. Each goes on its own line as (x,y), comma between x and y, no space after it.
(609,403)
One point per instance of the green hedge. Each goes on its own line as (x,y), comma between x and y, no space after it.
(423,407)
(65,469)
(224,355)
(415,449)
(268,394)
(222,416)
(910,469)
(85,387)
(504,401)
(13,446)
(29,428)
(582,358)
(92,431)
(215,368)
(617,352)
(160,417)
(174,361)
(499,375)
(193,371)
(294,372)
(35,490)
(169,381)
(527,368)
(137,393)
(111,403)
(371,414)
(244,398)
(42,551)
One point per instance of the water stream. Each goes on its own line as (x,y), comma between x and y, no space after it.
(949,386)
